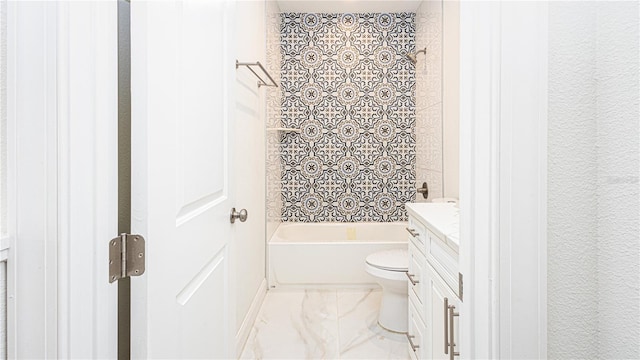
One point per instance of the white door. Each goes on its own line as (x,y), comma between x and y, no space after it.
(182,72)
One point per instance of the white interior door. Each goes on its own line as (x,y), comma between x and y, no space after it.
(182,75)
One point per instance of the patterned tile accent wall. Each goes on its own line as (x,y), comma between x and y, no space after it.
(348,85)
(429,99)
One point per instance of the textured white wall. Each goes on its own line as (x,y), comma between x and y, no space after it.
(593,227)
(617,67)
(572,183)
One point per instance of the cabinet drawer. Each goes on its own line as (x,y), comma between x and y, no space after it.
(417,233)
(416,332)
(416,271)
(443,259)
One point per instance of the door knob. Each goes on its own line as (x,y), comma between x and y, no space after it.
(242,215)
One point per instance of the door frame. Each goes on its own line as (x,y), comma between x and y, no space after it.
(32,273)
(87,85)
(62,151)
(503,137)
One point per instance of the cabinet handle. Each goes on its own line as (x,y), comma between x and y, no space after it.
(414,347)
(452,344)
(410,276)
(446,325)
(412,232)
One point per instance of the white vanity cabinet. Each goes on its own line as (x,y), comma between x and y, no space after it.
(434,282)
(442,315)
(418,287)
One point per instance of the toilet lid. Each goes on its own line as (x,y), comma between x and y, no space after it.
(393,260)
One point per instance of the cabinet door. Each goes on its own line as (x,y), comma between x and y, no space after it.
(440,296)
(417,262)
(418,342)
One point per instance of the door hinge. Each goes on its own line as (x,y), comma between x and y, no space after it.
(460,286)
(126,257)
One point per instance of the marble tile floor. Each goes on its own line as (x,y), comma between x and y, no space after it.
(322,324)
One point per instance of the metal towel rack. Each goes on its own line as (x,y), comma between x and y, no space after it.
(284,129)
(261,81)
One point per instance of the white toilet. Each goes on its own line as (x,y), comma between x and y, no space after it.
(388,267)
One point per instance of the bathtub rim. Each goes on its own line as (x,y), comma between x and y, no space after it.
(277,239)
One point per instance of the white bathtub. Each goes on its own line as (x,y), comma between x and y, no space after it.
(302,254)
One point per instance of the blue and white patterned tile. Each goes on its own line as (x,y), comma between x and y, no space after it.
(346,82)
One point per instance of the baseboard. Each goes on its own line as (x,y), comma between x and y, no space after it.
(243,332)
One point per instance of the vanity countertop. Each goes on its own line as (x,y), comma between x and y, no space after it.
(443,219)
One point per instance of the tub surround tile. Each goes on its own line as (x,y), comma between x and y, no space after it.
(431,139)
(348,85)
(429,115)
(322,324)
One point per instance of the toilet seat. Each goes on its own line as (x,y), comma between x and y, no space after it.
(390,260)
(386,274)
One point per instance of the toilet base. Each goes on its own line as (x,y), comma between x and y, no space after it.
(389,330)
(393,312)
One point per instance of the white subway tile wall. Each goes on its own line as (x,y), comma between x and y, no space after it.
(429,156)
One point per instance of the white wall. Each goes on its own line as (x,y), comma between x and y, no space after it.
(250,162)
(618,67)
(572,168)
(593,226)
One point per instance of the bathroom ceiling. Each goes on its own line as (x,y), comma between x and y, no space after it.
(348,6)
